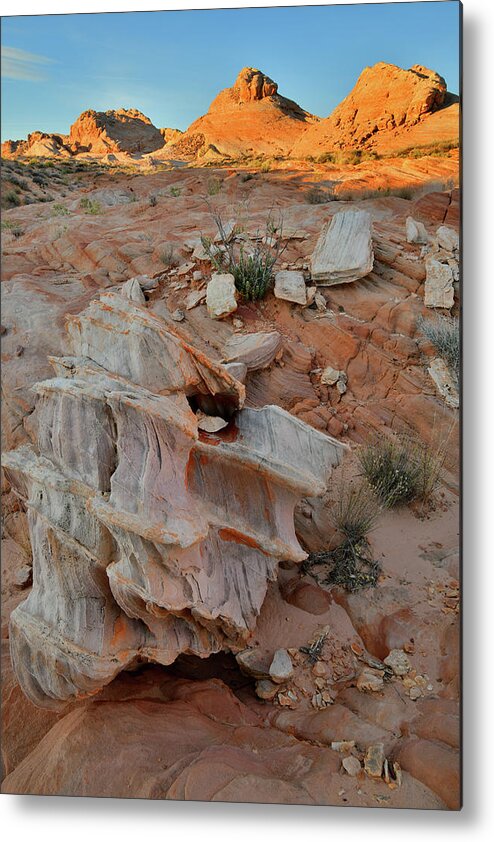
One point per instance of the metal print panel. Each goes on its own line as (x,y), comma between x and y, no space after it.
(231,398)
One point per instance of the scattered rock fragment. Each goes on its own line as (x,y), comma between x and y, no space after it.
(289,285)
(343,745)
(447,238)
(398,661)
(237,370)
(254,662)
(330,376)
(211,423)
(374,760)
(266,689)
(369,681)
(256,350)
(320,302)
(177,315)
(416,231)
(438,289)
(132,290)
(445,383)
(281,668)
(351,765)
(221,297)
(344,250)
(195,297)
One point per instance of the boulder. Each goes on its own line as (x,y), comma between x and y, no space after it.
(281,668)
(289,285)
(344,250)
(447,238)
(416,231)
(438,289)
(256,350)
(133,291)
(221,296)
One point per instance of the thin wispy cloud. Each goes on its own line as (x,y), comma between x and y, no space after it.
(19,64)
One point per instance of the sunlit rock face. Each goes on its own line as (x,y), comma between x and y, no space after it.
(150,537)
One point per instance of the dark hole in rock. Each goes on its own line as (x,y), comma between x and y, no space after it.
(222,406)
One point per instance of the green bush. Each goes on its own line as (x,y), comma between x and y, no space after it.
(12,199)
(214,186)
(175,192)
(90,206)
(316,196)
(401,470)
(252,269)
(58,209)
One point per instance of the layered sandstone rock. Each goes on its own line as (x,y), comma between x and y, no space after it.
(150,538)
(124,130)
(385,103)
(37,145)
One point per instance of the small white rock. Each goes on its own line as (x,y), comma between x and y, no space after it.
(221,297)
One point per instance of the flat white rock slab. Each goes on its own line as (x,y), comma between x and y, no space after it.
(344,250)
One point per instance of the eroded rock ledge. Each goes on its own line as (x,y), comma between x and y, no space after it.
(150,538)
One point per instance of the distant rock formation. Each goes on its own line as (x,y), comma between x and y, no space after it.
(389,109)
(125,130)
(37,145)
(170,135)
(249,118)
(386,101)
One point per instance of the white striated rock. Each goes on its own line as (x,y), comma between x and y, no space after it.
(445,382)
(256,350)
(289,285)
(132,290)
(447,238)
(344,250)
(438,288)
(221,297)
(416,231)
(149,539)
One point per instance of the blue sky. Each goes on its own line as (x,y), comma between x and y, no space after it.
(171,65)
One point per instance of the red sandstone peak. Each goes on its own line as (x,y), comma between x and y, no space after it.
(384,104)
(123,130)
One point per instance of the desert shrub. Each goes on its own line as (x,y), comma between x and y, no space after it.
(265,166)
(12,199)
(175,192)
(444,333)
(253,273)
(153,201)
(13,227)
(356,511)
(168,257)
(326,158)
(401,470)
(252,266)
(316,196)
(58,209)
(351,564)
(214,186)
(247,176)
(90,206)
